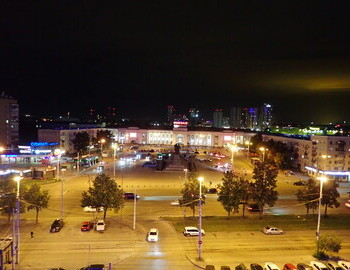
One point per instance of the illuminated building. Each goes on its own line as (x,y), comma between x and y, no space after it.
(9,116)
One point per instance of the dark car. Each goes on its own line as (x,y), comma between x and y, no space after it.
(299,183)
(225,267)
(241,267)
(303,266)
(149,164)
(94,267)
(253,207)
(57,225)
(212,191)
(256,266)
(130,196)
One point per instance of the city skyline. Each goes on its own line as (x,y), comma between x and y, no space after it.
(141,57)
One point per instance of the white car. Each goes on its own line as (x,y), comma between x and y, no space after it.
(272,230)
(175,203)
(347,204)
(271,266)
(153,235)
(316,265)
(192,231)
(91,209)
(100,225)
(344,264)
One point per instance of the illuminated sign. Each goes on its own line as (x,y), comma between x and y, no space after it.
(39,144)
(180,124)
(133,135)
(227,138)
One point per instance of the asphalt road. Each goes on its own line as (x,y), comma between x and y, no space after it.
(126,248)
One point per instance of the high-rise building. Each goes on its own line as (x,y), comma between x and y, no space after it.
(265,116)
(9,118)
(218,118)
(193,117)
(236,117)
(170,114)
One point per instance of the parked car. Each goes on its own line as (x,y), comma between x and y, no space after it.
(209,267)
(92,209)
(303,266)
(87,226)
(241,267)
(272,230)
(316,265)
(57,225)
(256,266)
(347,204)
(94,267)
(289,266)
(271,266)
(100,225)
(130,196)
(333,265)
(149,164)
(253,207)
(212,191)
(152,235)
(225,267)
(300,183)
(344,264)
(192,231)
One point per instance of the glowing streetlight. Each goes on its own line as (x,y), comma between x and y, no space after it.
(58,153)
(17,240)
(102,141)
(263,150)
(248,143)
(200,179)
(322,180)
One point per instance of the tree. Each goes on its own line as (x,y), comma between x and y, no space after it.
(8,200)
(234,191)
(263,188)
(309,195)
(103,193)
(103,134)
(81,142)
(329,196)
(36,198)
(328,242)
(190,193)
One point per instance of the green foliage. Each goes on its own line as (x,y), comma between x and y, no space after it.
(263,188)
(103,193)
(36,198)
(329,242)
(309,195)
(190,193)
(330,195)
(233,192)
(81,142)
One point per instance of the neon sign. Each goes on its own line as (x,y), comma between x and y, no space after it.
(39,144)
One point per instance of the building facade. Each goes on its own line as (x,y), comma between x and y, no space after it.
(9,119)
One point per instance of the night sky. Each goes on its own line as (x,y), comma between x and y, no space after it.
(140,56)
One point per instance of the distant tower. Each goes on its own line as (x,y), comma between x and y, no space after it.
(194,117)
(236,117)
(265,116)
(218,118)
(170,114)
(9,125)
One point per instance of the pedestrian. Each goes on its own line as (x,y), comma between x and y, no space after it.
(31,234)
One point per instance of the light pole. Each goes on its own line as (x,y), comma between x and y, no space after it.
(18,180)
(200,242)
(185,170)
(59,152)
(102,141)
(114,146)
(248,143)
(233,149)
(263,150)
(322,179)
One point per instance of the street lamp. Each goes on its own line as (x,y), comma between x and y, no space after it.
(200,179)
(102,141)
(17,241)
(59,152)
(248,143)
(263,150)
(322,179)
(234,148)
(114,146)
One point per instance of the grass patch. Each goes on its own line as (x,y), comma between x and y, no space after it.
(253,223)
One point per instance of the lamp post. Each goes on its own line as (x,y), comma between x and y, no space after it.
(248,143)
(59,152)
(233,149)
(263,150)
(185,170)
(17,222)
(102,141)
(200,242)
(114,146)
(322,179)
